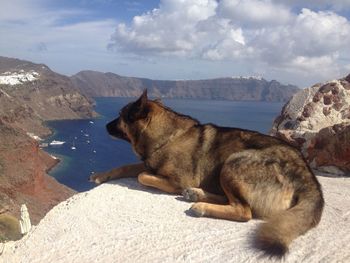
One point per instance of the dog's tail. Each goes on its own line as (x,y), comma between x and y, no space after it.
(275,235)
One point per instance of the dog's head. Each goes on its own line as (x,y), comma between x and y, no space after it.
(146,124)
(131,121)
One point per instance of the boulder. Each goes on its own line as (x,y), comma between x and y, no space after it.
(317,121)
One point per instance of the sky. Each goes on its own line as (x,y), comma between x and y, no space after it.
(300,42)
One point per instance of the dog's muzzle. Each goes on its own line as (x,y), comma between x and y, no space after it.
(113,130)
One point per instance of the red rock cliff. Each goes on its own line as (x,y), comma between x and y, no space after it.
(23,177)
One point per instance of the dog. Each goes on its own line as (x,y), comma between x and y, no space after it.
(229,173)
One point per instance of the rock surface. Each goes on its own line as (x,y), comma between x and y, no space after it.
(50,96)
(23,178)
(29,95)
(317,120)
(125,222)
(97,84)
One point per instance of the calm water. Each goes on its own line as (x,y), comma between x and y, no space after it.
(96,151)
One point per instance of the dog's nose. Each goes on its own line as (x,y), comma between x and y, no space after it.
(111,127)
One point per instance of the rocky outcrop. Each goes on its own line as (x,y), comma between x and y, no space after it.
(29,95)
(317,120)
(97,84)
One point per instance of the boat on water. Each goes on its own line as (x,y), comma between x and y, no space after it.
(56,143)
(73,146)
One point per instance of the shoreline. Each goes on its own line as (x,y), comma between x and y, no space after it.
(59,158)
(57,161)
(61,161)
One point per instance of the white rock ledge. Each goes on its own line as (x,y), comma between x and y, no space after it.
(125,222)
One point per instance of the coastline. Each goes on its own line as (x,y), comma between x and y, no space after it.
(53,166)
(61,160)
(46,139)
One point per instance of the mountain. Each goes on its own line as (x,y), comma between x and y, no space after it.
(31,94)
(97,84)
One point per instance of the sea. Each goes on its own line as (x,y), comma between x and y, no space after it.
(89,149)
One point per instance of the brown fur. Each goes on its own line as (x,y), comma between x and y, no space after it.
(230,173)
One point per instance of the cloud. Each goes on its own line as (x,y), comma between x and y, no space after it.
(39,47)
(67,39)
(336,5)
(320,33)
(254,13)
(19,10)
(246,31)
(170,29)
(314,40)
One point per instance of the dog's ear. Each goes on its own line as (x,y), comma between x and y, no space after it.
(139,109)
(143,99)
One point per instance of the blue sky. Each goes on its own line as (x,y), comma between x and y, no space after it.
(294,41)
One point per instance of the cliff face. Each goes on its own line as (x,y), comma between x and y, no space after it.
(97,84)
(29,95)
(23,178)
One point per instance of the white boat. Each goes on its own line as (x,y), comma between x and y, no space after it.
(73,146)
(91,122)
(55,143)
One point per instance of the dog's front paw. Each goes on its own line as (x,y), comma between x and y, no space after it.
(98,178)
(191,194)
(198,209)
